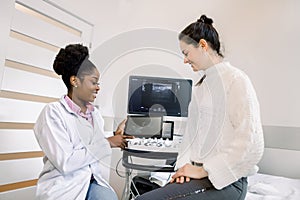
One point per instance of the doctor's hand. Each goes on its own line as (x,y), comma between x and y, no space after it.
(120,128)
(188,171)
(119,140)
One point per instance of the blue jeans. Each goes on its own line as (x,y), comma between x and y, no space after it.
(98,192)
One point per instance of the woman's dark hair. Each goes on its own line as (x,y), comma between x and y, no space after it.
(68,62)
(201,29)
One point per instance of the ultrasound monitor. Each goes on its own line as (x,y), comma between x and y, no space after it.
(159,96)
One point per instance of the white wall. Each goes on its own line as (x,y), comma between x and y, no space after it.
(260,37)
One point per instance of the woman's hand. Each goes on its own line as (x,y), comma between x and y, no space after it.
(188,171)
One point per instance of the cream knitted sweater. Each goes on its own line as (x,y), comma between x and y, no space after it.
(224,130)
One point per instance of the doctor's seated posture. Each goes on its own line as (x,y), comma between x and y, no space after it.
(223,141)
(71,135)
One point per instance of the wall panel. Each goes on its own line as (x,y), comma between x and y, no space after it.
(18,141)
(37,56)
(24,193)
(29,68)
(62,15)
(36,30)
(280,162)
(20,170)
(23,111)
(6,13)
(22,23)
(17,80)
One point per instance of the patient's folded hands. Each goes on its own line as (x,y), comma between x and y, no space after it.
(188,171)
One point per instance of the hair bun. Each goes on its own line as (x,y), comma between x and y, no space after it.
(204,19)
(70,58)
(58,65)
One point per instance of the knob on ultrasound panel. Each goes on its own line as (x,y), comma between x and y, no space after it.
(168,143)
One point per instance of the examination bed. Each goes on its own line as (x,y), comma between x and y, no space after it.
(279,174)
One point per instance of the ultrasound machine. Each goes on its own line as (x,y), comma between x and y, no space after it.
(152,101)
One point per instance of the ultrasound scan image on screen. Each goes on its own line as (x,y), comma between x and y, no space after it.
(157,95)
(143,126)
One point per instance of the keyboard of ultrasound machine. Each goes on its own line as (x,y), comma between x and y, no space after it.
(153,144)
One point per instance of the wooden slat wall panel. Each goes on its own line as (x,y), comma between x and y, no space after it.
(64,17)
(18,185)
(20,170)
(31,40)
(18,141)
(30,68)
(23,23)
(37,56)
(23,193)
(37,14)
(16,125)
(26,97)
(17,80)
(21,155)
(27,84)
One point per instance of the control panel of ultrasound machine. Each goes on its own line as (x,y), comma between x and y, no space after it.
(154,144)
(151,134)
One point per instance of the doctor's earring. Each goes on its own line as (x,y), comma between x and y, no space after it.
(75,86)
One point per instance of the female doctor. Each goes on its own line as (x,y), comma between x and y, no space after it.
(223,141)
(71,135)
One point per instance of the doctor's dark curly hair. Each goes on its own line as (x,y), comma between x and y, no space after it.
(68,61)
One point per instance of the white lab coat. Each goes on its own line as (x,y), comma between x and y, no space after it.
(74,150)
